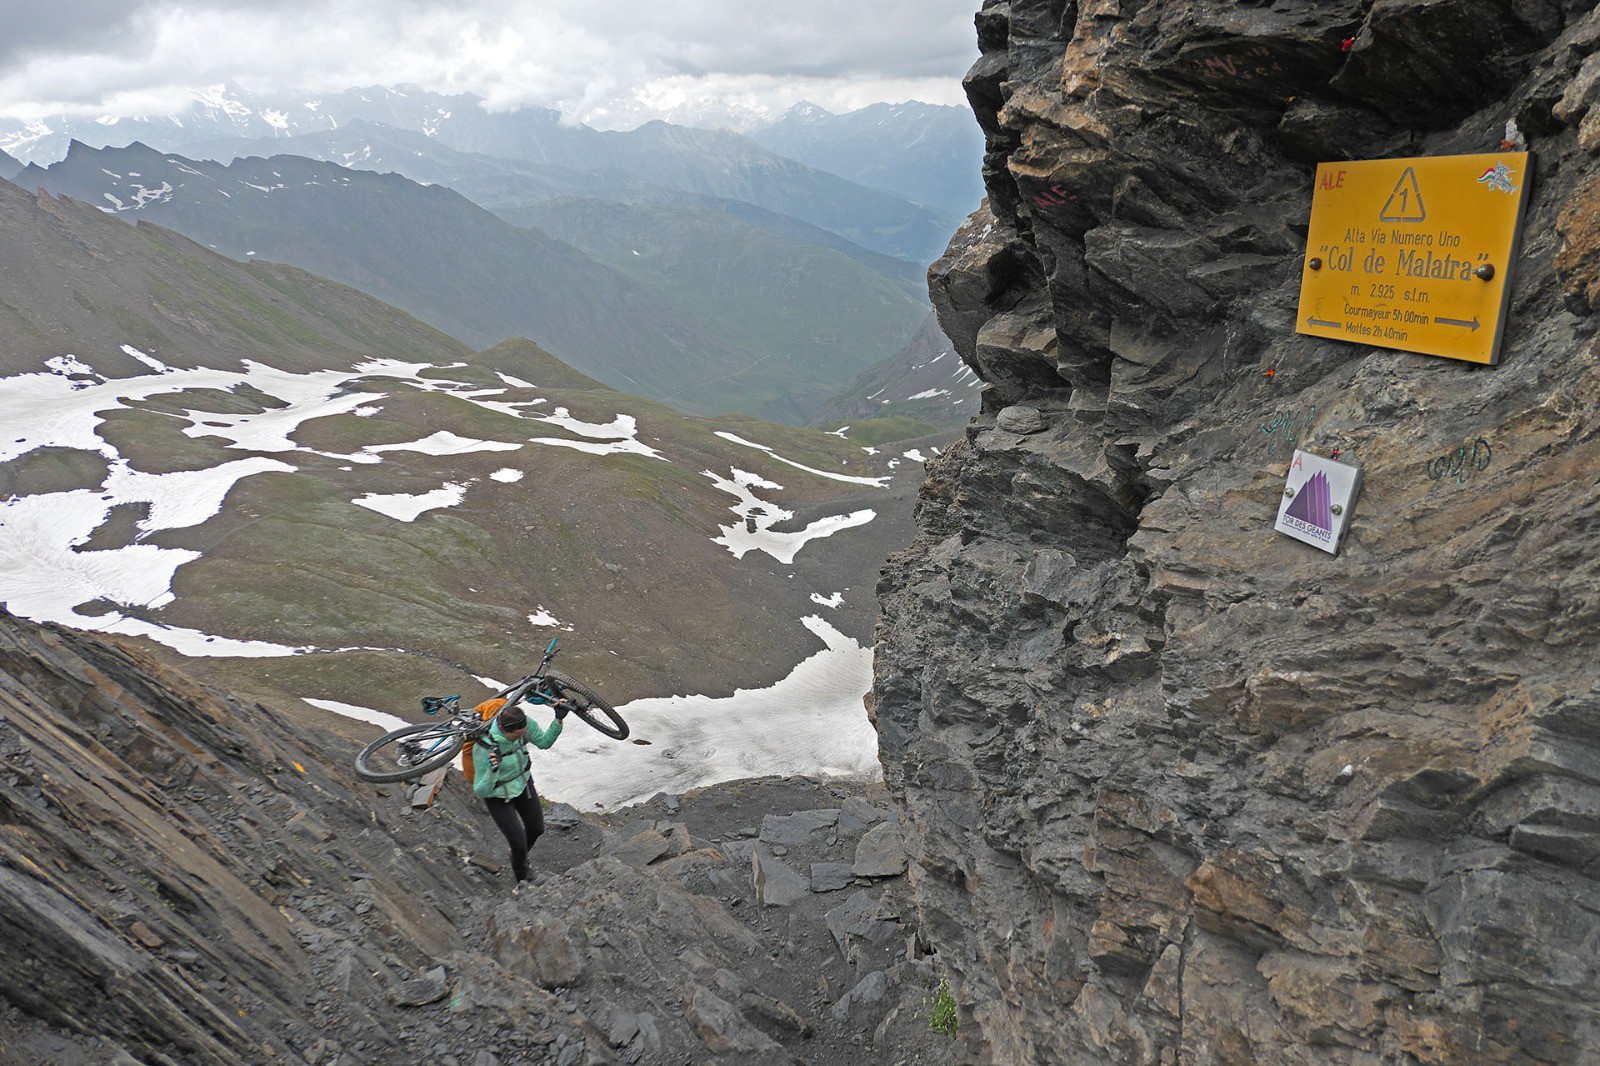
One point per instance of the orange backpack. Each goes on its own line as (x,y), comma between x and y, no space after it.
(485,710)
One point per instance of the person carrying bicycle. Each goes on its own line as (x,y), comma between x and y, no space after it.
(502,778)
(493,738)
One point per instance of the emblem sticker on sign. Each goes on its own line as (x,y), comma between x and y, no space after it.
(1415,254)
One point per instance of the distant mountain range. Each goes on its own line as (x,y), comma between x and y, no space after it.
(760,283)
(424,249)
(9,166)
(924,152)
(227,111)
(366,128)
(481,279)
(797,308)
(76,282)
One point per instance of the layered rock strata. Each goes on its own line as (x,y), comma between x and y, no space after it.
(186,879)
(1179,788)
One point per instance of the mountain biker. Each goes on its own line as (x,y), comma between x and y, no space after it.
(501,778)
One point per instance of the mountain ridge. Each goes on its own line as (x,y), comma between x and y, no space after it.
(467,271)
(902,148)
(824,309)
(657,154)
(425,249)
(100,307)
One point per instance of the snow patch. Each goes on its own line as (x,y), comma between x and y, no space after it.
(386,722)
(754,531)
(622,447)
(810,722)
(67,365)
(622,427)
(874,482)
(407,507)
(445,443)
(148,360)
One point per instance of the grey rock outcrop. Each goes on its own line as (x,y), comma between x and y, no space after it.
(1177,788)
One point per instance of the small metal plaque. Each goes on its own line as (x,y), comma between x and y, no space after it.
(1415,254)
(1317,501)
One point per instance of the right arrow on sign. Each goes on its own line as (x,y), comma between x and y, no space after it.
(1473,325)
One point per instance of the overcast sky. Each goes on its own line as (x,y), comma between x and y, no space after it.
(606,62)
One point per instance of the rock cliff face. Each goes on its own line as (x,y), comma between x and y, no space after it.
(1179,788)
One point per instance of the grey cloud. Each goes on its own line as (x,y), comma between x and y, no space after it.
(85,55)
(125,27)
(34,27)
(823,38)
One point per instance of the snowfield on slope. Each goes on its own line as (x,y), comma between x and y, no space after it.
(810,722)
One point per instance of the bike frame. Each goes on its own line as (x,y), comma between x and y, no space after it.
(426,745)
(468,724)
(464,723)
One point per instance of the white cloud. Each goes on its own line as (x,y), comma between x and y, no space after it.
(607,63)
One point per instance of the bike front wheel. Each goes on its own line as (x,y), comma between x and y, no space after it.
(588,705)
(408,752)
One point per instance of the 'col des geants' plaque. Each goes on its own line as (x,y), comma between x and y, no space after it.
(1415,254)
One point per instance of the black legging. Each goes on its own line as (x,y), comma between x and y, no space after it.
(522,821)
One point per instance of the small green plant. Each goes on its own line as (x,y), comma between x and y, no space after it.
(942,1009)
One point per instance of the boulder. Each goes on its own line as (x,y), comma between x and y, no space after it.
(831,876)
(419,991)
(881,852)
(795,828)
(776,883)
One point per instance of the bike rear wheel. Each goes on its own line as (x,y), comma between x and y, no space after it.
(588,705)
(408,752)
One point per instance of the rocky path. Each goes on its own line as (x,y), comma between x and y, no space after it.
(185,878)
(766,920)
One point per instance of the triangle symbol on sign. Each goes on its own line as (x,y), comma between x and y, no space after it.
(1405,203)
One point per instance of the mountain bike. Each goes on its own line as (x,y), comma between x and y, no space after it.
(414,750)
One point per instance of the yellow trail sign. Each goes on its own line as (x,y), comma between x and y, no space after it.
(1415,254)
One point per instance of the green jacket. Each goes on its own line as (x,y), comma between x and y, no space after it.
(510,778)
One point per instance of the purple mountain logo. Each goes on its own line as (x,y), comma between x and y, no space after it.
(1312,504)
